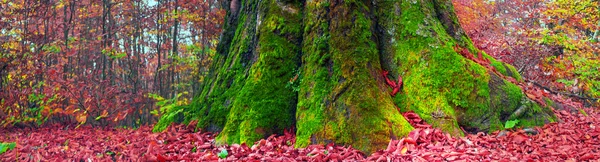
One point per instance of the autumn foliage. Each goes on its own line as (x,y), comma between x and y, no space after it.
(95,61)
(394,85)
(552,43)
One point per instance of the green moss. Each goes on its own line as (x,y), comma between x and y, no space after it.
(533,117)
(263,105)
(504,68)
(340,100)
(500,67)
(514,72)
(443,87)
(548,109)
(170,116)
(514,93)
(316,83)
(436,79)
(228,75)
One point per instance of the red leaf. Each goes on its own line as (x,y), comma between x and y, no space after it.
(161,158)
(519,138)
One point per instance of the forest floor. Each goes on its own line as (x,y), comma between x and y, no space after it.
(574,138)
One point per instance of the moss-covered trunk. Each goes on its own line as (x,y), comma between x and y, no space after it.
(317,65)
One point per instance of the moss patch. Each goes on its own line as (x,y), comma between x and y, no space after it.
(264,105)
(443,87)
(341,98)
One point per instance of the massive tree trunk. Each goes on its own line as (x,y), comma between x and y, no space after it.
(317,66)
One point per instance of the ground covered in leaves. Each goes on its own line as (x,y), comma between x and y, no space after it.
(573,138)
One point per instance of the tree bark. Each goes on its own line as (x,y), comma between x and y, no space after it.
(317,66)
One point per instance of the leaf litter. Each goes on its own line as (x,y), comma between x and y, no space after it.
(574,138)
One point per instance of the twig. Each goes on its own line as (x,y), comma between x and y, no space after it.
(562,93)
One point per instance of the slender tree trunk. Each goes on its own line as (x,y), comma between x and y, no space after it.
(158,73)
(595,36)
(317,65)
(174,50)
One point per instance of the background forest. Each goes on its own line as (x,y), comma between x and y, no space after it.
(102,62)
(554,44)
(111,62)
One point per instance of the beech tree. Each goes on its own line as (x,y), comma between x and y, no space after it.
(343,72)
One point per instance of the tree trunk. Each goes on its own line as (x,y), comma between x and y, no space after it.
(317,66)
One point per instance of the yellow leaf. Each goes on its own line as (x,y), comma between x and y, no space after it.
(58,110)
(104,113)
(81,118)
